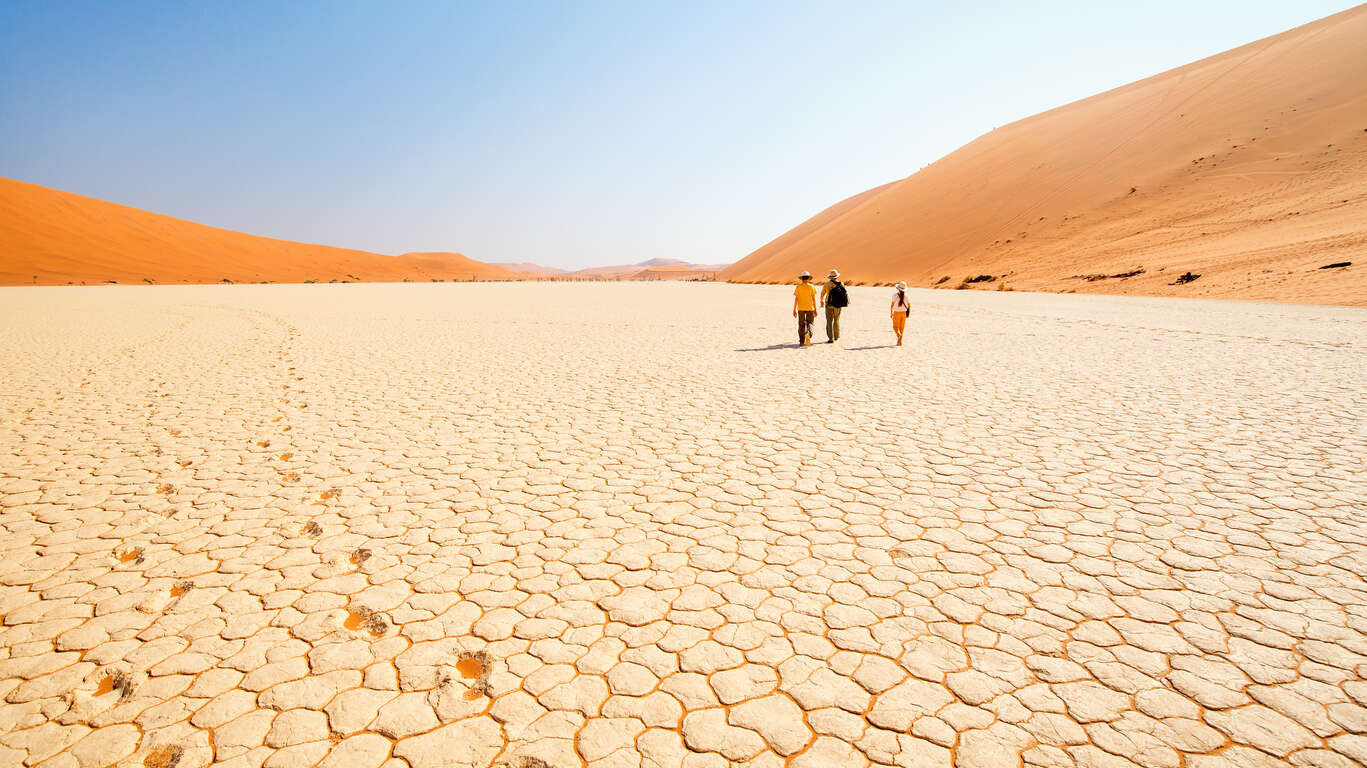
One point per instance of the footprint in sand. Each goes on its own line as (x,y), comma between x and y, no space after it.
(164,756)
(133,556)
(371,621)
(116,680)
(475,666)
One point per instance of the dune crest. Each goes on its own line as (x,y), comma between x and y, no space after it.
(51,237)
(1248,168)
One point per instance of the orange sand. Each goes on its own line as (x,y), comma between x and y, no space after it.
(1249,168)
(469,667)
(50,237)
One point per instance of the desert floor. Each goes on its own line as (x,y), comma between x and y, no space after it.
(632,525)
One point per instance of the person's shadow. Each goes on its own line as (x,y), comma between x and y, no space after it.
(776,347)
(771,348)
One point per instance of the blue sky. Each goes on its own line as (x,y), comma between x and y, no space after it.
(564,133)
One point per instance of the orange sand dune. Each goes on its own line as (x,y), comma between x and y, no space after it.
(651,269)
(52,237)
(674,272)
(441,265)
(1248,168)
(527,268)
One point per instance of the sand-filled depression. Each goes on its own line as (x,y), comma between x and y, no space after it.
(631,525)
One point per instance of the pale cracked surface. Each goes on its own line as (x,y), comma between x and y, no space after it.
(603,525)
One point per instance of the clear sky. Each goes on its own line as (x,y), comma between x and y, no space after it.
(565,133)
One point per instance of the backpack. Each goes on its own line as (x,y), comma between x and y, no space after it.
(838,297)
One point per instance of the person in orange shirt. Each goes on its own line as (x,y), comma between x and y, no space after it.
(805,303)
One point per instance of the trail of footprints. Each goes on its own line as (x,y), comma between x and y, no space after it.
(546,542)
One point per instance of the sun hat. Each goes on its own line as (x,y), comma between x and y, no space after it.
(805,274)
(833,273)
(900,285)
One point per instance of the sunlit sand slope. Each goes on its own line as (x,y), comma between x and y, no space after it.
(1248,168)
(52,237)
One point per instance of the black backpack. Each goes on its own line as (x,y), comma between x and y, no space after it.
(838,296)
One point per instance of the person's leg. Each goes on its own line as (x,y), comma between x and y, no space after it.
(899,323)
(809,319)
(836,324)
(830,320)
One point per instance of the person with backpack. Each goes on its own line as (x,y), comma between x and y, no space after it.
(835,298)
(804,308)
(901,308)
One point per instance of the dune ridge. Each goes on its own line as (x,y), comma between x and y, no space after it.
(51,237)
(1248,168)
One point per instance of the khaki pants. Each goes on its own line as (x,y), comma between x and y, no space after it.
(805,319)
(833,323)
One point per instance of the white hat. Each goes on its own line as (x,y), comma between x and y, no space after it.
(833,273)
(805,274)
(900,285)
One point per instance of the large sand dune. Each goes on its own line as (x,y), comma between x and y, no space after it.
(52,237)
(1249,168)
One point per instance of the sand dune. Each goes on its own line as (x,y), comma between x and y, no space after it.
(1248,168)
(675,272)
(50,237)
(527,268)
(443,265)
(651,269)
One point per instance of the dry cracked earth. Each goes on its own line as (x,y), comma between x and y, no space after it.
(551,526)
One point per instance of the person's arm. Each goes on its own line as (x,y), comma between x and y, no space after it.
(825,291)
(794,304)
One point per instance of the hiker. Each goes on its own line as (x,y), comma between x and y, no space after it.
(901,308)
(834,298)
(804,309)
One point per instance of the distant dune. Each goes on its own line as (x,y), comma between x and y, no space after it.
(50,237)
(525,268)
(652,269)
(1248,168)
(674,272)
